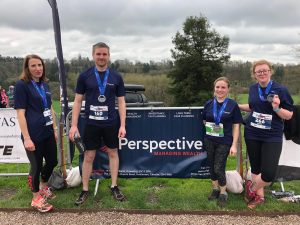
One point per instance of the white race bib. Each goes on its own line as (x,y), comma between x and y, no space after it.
(214,130)
(48,117)
(98,112)
(261,121)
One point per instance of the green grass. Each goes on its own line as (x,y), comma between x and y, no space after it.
(142,193)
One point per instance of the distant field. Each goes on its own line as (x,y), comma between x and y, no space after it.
(242,99)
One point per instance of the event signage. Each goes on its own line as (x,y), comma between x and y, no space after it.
(11,146)
(160,142)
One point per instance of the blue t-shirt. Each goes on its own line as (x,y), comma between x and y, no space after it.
(27,97)
(231,115)
(263,123)
(97,113)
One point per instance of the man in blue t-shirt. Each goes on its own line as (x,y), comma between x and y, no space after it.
(100,85)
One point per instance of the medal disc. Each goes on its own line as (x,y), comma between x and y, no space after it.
(101,98)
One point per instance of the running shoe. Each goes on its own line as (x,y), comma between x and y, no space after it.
(222,200)
(47,193)
(82,198)
(249,195)
(118,195)
(258,200)
(214,194)
(41,204)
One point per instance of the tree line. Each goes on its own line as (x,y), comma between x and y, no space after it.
(199,56)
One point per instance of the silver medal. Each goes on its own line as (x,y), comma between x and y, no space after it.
(217,128)
(101,98)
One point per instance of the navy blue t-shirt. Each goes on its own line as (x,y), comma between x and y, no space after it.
(275,133)
(27,97)
(87,85)
(231,115)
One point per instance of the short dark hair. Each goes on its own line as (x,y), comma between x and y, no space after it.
(100,45)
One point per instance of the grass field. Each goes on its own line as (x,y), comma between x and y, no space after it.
(142,193)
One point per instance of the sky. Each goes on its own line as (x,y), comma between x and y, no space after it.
(142,30)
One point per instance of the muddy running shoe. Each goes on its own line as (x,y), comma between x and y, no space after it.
(47,193)
(222,200)
(258,200)
(249,195)
(82,198)
(41,204)
(118,195)
(214,194)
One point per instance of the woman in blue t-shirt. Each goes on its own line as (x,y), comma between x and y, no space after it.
(36,119)
(269,103)
(222,119)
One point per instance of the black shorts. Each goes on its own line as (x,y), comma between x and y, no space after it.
(95,137)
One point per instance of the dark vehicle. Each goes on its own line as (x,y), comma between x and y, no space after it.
(136,98)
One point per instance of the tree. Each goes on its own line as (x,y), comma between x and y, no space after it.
(198,55)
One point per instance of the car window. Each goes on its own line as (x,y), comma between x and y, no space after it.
(133,98)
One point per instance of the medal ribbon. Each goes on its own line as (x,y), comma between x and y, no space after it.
(101,86)
(217,116)
(41,90)
(260,91)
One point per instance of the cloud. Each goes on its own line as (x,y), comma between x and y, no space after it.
(143,29)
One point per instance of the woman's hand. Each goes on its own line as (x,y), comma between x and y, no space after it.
(29,145)
(233,150)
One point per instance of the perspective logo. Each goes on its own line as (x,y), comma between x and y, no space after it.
(178,144)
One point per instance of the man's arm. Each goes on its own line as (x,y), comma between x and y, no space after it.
(75,115)
(122,114)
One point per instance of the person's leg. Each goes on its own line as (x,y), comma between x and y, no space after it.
(111,140)
(113,165)
(221,154)
(209,147)
(50,156)
(92,140)
(87,167)
(36,162)
(270,155)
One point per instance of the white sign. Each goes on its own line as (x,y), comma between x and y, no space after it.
(11,146)
(290,154)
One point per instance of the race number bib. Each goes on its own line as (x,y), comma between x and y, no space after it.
(48,117)
(214,130)
(261,121)
(98,112)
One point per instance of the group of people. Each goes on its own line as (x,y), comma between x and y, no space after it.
(100,85)
(269,103)
(7,98)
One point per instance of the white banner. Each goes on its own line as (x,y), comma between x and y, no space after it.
(11,146)
(290,155)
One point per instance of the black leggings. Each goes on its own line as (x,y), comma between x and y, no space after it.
(264,158)
(217,157)
(47,150)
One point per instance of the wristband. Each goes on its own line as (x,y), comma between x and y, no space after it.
(277,110)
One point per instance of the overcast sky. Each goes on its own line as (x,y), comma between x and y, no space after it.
(143,29)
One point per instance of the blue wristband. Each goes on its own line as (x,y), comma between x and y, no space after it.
(277,110)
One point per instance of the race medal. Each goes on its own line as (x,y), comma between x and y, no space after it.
(216,128)
(101,86)
(101,98)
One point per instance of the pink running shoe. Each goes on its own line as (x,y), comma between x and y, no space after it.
(47,193)
(258,200)
(41,204)
(249,195)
